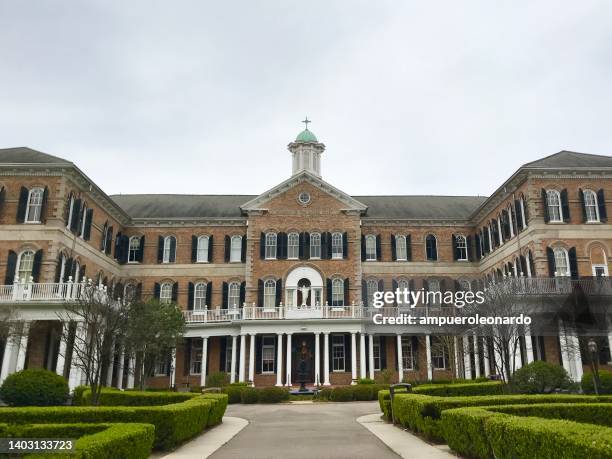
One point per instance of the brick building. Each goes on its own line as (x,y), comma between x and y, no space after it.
(263,279)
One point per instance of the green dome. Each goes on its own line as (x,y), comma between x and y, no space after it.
(306,136)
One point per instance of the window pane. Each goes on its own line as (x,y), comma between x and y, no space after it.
(233,297)
(269,293)
(337,292)
(370,247)
(338,353)
(26,263)
(271,245)
(293,245)
(400,247)
(202,253)
(337,245)
(315,245)
(236,248)
(34,205)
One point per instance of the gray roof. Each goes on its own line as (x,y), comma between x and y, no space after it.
(25,155)
(571,159)
(421,207)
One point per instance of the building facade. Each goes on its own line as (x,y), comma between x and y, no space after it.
(264,280)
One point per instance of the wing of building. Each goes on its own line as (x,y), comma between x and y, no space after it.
(278,287)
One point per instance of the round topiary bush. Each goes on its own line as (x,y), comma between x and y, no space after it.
(34,388)
(539,377)
(605,383)
(341,394)
(249,395)
(273,395)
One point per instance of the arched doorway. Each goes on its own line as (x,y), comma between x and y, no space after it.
(304,288)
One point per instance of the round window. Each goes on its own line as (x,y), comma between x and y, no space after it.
(304,197)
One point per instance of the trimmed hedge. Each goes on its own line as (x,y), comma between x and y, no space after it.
(605,380)
(422,413)
(35,387)
(485,433)
(358,392)
(249,395)
(460,389)
(341,394)
(273,395)
(115,397)
(173,423)
(94,441)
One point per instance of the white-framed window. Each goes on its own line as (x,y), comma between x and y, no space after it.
(431,247)
(461,246)
(407,353)
(338,353)
(270,246)
(293,246)
(70,209)
(511,220)
(439,354)
(400,248)
(199,296)
(370,246)
(134,248)
(228,354)
(464,285)
(562,267)
(591,209)
(270,293)
(403,285)
(195,366)
(337,246)
(337,292)
(236,249)
(315,245)
(233,295)
(165,292)
(129,291)
(523,216)
(169,248)
(202,249)
(553,201)
(162,366)
(84,222)
(26,264)
(34,207)
(104,237)
(371,288)
(433,285)
(376,353)
(267,354)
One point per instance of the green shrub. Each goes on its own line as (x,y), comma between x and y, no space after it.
(539,377)
(173,423)
(363,392)
(218,408)
(591,413)
(365,381)
(233,392)
(217,379)
(115,397)
(385,376)
(195,389)
(605,382)
(463,431)
(34,388)
(273,395)
(77,394)
(384,402)
(324,393)
(341,394)
(249,395)
(460,389)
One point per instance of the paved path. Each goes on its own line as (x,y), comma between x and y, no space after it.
(318,430)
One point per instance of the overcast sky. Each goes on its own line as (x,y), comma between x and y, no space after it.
(203,97)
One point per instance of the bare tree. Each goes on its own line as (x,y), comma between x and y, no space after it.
(11,324)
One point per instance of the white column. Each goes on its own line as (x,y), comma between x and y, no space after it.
(279,360)
(23,347)
(400,359)
(131,371)
(120,368)
(241,369)
(61,355)
(9,359)
(353,358)
(233,362)
(362,356)
(252,360)
(517,354)
(467,364)
(289,360)
(575,354)
(371,355)
(172,381)
(74,378)
(326,359)
(456,354)
(528,347)
(610,342)
(476,358)
(204,361)
(485,356)
(317,359)
(111,366)
(428,352)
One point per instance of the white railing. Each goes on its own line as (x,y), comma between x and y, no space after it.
(53,292)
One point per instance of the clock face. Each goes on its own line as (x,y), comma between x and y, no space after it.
(304,198)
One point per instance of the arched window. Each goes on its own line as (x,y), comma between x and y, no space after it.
(464,285)
(337,245)
(270,246)
(315,245)
(199,296)
(293,246)
(431,248)
(337,292)
(370,247)
(371,288)
(236,249)
(202,250)
(165,292)
(461,253)
(591,211)
(233,295)
(129,291)
(400,248)
(34,208)
(26,264)
(404,286)
(169,249)
(134,249)
(562,267)
(434,295)
(553,201)
(270,293)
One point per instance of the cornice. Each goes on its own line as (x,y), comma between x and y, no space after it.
(413,222)
(168,222)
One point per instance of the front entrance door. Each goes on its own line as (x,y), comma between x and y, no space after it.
(302,359)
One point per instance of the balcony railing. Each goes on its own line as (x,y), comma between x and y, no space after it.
(41,292)
(556,285)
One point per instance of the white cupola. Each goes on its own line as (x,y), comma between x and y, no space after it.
(306,152)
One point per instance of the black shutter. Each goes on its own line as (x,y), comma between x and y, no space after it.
(378,248)
(103,238)
(517,214)
(454,242)
(262,246)
(363,248)
(323,245)
(209,294)
(83,271)
(190,295)
(545,204)
(242,293)
(523,262)
(227,248)
(525,211)
(260,293)
(58,269)
(573,263)
(393,248)
(301,246)
(223,356)
(140,253)
(210,248)
(156,290)
(160,249)
(477,243)
(345,245)
(175,288)
(329,292)
(243,247)
(66,213)
(281,246)
(43,206)
(67,270)
(125,247)
(172,249)
(408,248)
(88,221)
(381,285)
(601,204)
(11,266)
(346,292)
(194,249)
(470,249)
(74,219)
(224,296)
(279,291)
(582,206)
(329,245)
(258,356)
(348,342)
(23,204)
(364,293)
(383,352)
(36,265)
(306,246)
(394,287)
(550,255)
(81,218)
(565,205)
